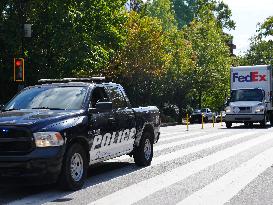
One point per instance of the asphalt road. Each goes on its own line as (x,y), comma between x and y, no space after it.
(199,166)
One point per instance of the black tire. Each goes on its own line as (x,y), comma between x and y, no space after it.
(228,124)
(263,123)
(271,119)
(74,180)
(143,154)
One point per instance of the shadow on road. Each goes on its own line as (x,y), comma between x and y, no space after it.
(241,126)
(99,173)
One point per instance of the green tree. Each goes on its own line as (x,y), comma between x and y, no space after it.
(210,77)
(70,38)
(142,59)
(261,46)
(163,10)
(187,10)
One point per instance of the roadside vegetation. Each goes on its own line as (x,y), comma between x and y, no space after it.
(169,53)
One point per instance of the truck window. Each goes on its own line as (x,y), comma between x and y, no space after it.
(49,97)
(246,95)
(98,95)
(116,96)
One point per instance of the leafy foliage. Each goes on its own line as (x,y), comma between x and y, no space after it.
(187,10)
(211,74)
(169,53)
(261,46)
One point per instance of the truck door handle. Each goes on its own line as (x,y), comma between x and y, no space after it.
(112,121)
(131,117)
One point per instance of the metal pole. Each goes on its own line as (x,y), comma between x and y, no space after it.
(213,120)
(22,22)
(221,119)
(202,121)
(187,122)
(22,27)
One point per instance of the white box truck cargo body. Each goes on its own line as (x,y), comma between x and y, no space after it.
(251,95)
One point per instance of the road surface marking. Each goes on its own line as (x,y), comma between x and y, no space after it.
(183,152)
(227,186)
(185,141)
(136,192)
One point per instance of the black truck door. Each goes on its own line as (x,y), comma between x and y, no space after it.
(124,120)
(101,130)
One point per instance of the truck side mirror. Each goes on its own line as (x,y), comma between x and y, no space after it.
(227,102)
(1,106)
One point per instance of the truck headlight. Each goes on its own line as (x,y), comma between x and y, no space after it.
(48,139)
(259,109)
(228,109)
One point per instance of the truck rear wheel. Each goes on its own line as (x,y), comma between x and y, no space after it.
(143,154)
(263,123)
(228,124)
(74,168)
(271,118)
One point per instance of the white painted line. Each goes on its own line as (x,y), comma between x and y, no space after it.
(136,192)
(223,189)
(172,144)
(183,152)
(193,149)
(178,136)
(185,141)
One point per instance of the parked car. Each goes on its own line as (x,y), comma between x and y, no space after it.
(196,116)
(53,131)
(218,116)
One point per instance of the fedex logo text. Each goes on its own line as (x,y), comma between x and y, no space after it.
(252,77)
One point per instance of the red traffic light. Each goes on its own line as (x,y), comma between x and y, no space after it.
(19,70)
(18,62)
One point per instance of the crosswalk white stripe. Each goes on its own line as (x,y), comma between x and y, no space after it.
(227,186)
(180,135)
(193,149)
(185,141)
(183,152)
(147,187)
(172,144)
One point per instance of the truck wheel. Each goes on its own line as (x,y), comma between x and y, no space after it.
(263,123)
(228,124)
(144,152)
(271,119)
(74,168)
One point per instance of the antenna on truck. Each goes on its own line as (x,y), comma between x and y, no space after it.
(68,80)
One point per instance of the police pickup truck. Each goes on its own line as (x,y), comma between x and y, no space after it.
(53,131)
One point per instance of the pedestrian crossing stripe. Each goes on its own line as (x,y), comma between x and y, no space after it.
(147,187)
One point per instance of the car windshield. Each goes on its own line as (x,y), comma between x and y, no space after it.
(46,97)
(203,110)
(246,95)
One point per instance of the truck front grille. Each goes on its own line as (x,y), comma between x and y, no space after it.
(245,110)
(14,141)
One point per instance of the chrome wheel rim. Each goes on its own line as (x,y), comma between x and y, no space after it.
(147,149)
(76,167)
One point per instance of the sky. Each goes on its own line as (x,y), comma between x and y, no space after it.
(247,14)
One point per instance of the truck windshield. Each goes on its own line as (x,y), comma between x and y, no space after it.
(58,98)
(246,95)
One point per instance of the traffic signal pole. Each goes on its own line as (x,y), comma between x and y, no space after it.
(22,27)
(22,22)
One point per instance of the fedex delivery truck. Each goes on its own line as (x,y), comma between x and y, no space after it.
(251,95)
